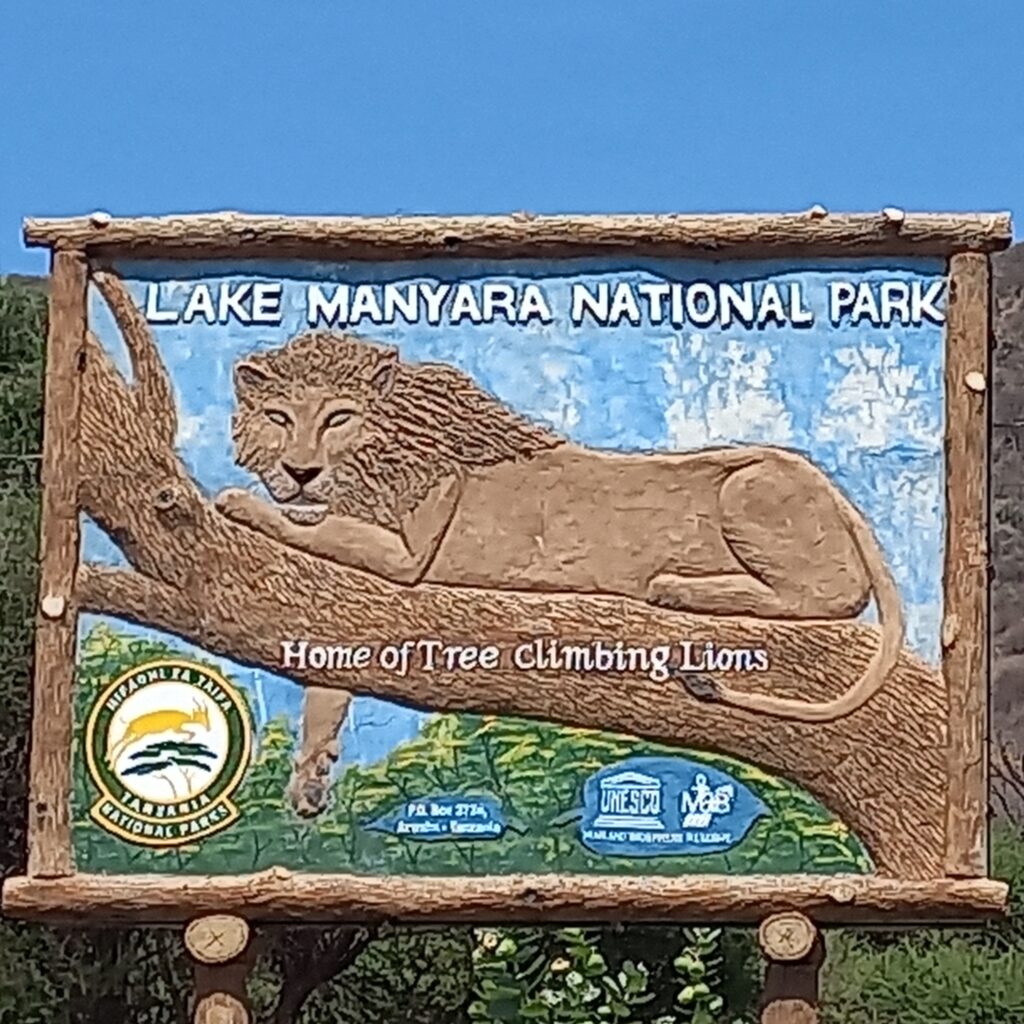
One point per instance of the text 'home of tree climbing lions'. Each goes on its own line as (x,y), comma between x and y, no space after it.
(656,662)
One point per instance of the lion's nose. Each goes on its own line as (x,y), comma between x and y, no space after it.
(302,475)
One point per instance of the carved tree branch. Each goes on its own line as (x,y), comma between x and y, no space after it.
(151,385)
(238,594)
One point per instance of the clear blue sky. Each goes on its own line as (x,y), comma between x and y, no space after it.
(546,105)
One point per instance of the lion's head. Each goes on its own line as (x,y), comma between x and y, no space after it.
(332,423)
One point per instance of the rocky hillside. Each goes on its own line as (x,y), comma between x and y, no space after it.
(1007,496)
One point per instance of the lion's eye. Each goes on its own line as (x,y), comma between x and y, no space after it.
(282,419)
(336,419)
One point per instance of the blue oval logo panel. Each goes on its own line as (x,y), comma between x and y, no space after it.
(444,817)
(655,806)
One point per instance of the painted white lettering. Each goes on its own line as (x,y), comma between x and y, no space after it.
(329,311)
(464,305)
(593,304)
(266,302)
(840,299)
(624,306)
(232,301)
(365,305)
(534,305)
(923,303)
(154,314)
(200,304)
(654,294)
(736,303)
(434,295)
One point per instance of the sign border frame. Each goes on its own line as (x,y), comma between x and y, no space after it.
(52,888)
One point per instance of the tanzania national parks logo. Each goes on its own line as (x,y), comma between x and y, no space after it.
(167,743)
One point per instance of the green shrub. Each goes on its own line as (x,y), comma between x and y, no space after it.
(931,975)
(563,977)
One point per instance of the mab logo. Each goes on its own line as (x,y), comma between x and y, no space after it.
(702,803)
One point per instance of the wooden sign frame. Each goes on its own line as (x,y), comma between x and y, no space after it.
(916,882)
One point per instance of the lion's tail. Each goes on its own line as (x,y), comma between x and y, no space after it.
(883,661)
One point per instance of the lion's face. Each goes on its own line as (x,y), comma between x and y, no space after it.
(297,423)
(334,424)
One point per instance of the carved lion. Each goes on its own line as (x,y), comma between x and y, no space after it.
(415,473)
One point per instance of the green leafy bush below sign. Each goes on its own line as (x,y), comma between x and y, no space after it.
(534,770)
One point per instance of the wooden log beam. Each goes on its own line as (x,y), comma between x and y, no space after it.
(795,951)
(811,233)
(277,895)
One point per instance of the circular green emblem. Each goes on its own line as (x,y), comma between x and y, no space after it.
(167,744)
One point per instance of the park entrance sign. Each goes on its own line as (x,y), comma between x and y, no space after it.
(514,568)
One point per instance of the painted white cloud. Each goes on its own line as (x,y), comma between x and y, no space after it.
(879,398)
(722,393)
(563,413)
(190,427)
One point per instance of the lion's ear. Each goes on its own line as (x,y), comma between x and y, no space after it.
(249,375)
(382,377)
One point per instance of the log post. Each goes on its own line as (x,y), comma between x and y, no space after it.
(964,657)
(794,949)
(219,946)
(49,844)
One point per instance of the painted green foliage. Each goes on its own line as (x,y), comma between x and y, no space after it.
(536,771)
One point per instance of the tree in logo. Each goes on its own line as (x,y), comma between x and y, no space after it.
(156,758)
(187,755)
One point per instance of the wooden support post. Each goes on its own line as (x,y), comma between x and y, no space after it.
(219,945)
(794,949)
(964,627)
(49,830)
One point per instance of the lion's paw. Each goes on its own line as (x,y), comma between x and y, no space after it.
(310,783)
(237,504)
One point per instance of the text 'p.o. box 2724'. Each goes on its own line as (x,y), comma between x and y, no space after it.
(514,568)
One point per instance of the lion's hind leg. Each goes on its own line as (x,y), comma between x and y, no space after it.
(794,555)
(323,715)
(724,594)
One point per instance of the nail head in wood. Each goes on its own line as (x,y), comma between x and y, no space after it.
(894,215)
(817,212)
(787,936)
(217,938)
(221,1008)
(52,606)
(100,219)
(975,380)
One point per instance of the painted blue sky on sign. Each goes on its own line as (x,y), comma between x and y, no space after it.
(865,403)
